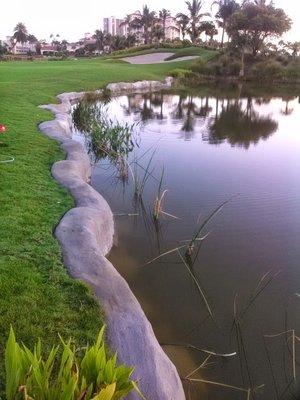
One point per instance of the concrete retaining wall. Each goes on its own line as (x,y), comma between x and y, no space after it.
(85,234)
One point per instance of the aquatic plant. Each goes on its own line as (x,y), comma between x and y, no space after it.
(140,179)
(104,136)
(63,374)
(158,203)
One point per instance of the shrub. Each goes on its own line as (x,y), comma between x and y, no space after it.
(293,70)
(131,50)
(199,67)
(63,375)
(224,65)
(180,73)
(227,65)
(267,70)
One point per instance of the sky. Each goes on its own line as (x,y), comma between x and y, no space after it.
(71,19)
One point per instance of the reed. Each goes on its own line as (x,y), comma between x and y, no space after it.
(140,179)
(104,136)
(158,203)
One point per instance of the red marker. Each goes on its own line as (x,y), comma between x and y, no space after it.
(2,128)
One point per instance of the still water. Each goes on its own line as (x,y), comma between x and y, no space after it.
(212,148)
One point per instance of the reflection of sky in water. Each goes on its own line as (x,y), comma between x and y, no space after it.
(257,232)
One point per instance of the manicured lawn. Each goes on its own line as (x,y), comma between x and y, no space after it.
(37,296)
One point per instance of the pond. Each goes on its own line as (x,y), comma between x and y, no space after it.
(234,156)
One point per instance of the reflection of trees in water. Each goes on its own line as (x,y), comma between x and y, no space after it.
(287,110)
(236,120)
(187,110)
(147,106)
(241,127)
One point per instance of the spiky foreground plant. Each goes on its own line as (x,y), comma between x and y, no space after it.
(63,374)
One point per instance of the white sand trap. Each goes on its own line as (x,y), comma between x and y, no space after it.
(155,58)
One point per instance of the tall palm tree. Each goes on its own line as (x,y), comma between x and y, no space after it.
(209,29)
(157,33)
(194,7)
(225,10)
(20,33)
(31,39)
(183,22)
(145,21)
(163,16)
(100,37)
(127,22)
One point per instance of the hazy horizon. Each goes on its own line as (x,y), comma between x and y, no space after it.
(71,21)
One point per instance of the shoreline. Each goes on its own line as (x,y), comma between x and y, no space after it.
(85,234)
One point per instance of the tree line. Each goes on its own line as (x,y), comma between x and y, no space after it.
(247,25)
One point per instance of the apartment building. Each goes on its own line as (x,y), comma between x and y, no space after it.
(114,26)
(172,29)
(18,48)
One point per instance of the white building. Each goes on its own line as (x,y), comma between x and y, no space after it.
(18,48)
(114,26)
(172,29)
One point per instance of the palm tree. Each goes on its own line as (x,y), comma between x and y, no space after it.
(31,39)
(209,29)
(163,16)
(157,33)
(127,22)
(55,40)
(100,37)
(183,22)
(145,21)
(225,11)
(20,33)
(194,15)
(295,48)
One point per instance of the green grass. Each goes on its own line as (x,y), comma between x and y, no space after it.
(37,296)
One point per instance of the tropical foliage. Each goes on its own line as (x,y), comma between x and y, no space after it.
(65,373)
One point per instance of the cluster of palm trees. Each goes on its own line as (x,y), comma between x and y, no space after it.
(147,26)
(21,34)
(192,23)
(112,42)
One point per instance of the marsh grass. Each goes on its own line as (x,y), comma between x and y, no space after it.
(104,136)
(159,200)
(142,175)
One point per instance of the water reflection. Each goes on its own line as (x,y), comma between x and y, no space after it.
(200,140)
(241,126)
(239,120)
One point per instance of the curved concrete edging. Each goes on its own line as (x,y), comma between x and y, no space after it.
(85,234)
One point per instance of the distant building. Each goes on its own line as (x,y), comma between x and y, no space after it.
(114,26)
(172,28)
(18,48)
(48,50)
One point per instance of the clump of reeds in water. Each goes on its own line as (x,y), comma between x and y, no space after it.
(104,136)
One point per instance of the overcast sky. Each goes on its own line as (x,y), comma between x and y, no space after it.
(71,19)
